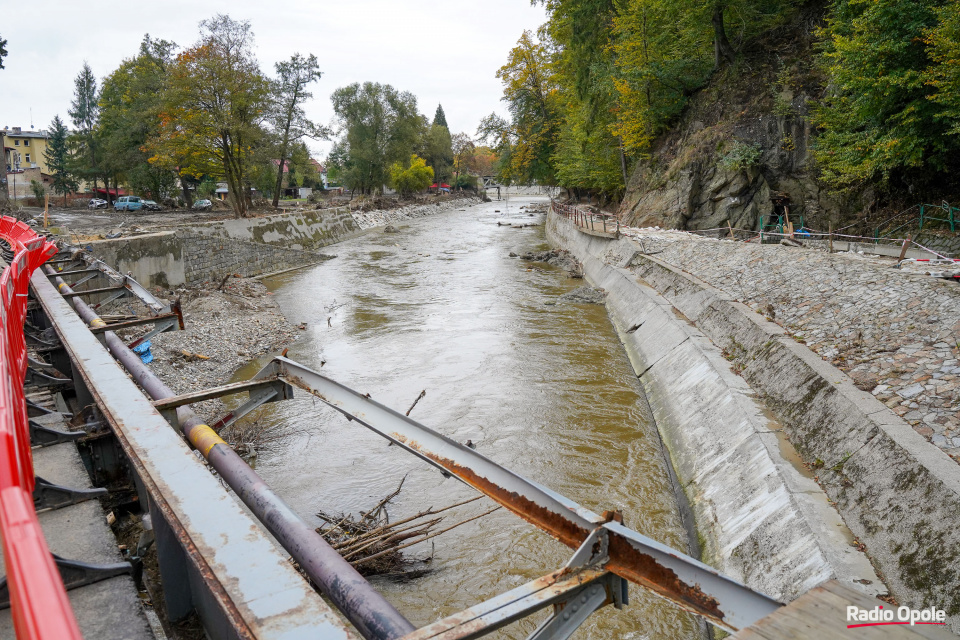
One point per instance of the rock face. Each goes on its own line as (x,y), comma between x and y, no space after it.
(743,138)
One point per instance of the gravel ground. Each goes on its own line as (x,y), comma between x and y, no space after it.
(896,333)
(224,331)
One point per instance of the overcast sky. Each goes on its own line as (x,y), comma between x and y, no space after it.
(443,52)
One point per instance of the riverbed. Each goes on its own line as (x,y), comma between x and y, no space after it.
(540,386)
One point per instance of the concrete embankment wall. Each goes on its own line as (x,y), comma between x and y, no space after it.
(899,494)
(896,492)
(250,246)
(303,229)
(759,517)
(173,258)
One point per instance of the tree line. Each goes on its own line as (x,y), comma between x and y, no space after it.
(170,120)
(592,89)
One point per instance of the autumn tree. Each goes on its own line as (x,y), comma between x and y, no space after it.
(527,142)
(57,155)
(287,117)
(215,106)
(379,126)
(462,146)
(414,177)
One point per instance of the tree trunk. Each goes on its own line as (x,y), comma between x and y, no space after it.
(276,192)
(721,46)
(186,190)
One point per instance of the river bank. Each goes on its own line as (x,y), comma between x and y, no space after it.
(690,340)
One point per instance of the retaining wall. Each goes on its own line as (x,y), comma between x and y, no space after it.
(301,229)
(760,518)
(174,258)
(896,492)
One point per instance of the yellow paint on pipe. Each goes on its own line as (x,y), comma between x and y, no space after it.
(97,322)
(204,438)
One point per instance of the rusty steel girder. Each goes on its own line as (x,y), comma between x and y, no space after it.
(679,578)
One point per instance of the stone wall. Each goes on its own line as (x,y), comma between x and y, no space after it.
(208,258)
(300,229)
(175,258)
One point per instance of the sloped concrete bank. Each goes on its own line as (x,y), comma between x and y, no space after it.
(898,493)
(760,517)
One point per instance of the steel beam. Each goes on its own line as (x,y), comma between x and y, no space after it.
(286,392)
(679,578)
(92,292)
(368,610)
(235,571)
(117,326)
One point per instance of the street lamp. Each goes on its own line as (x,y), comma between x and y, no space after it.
(16,168)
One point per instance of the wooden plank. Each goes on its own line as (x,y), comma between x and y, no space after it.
(821,613)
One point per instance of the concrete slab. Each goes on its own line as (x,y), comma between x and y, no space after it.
(111,609)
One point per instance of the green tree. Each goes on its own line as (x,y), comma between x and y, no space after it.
(85,111)
(216,103)
(440,118)
(438,149)
(944,74)
(878,121)
(415,177)
(287,117)
(57,155)
(379,126)
(38,190)
(131,100)
(3,51)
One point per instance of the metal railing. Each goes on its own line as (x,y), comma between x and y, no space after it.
(588,219)
(38,599)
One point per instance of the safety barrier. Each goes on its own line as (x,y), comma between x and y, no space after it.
(38,600)
(588,219)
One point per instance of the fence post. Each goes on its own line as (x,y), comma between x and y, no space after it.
(903,249)
(830,235)
(921,218)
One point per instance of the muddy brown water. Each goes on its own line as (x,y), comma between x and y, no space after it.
(540,386)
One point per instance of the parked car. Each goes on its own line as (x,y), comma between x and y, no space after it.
(203,205)
(97,203)
(128,203)
(151,205)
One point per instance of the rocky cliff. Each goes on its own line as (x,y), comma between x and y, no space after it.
(742,140)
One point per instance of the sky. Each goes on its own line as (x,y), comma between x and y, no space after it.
(443,52)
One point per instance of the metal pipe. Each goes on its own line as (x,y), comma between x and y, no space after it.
(368,610)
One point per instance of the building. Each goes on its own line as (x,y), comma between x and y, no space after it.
(24,148)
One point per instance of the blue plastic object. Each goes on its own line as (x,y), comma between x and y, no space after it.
(143,350)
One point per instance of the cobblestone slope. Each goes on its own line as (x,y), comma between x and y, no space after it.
(896,333)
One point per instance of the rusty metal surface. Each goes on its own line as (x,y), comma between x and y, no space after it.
(508,607)
(679,578)
(367,609)
(215,392)
(250,582)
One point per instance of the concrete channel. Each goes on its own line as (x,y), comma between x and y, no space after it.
(761,517)
(742,407)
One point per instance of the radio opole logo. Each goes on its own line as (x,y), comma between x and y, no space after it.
(901,615)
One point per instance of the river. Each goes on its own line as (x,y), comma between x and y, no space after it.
(540,386)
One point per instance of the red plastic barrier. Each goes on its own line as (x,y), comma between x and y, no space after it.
(38,599)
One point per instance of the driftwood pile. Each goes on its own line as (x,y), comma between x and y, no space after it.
(374,545)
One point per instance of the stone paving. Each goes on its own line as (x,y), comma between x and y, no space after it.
(895,332)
